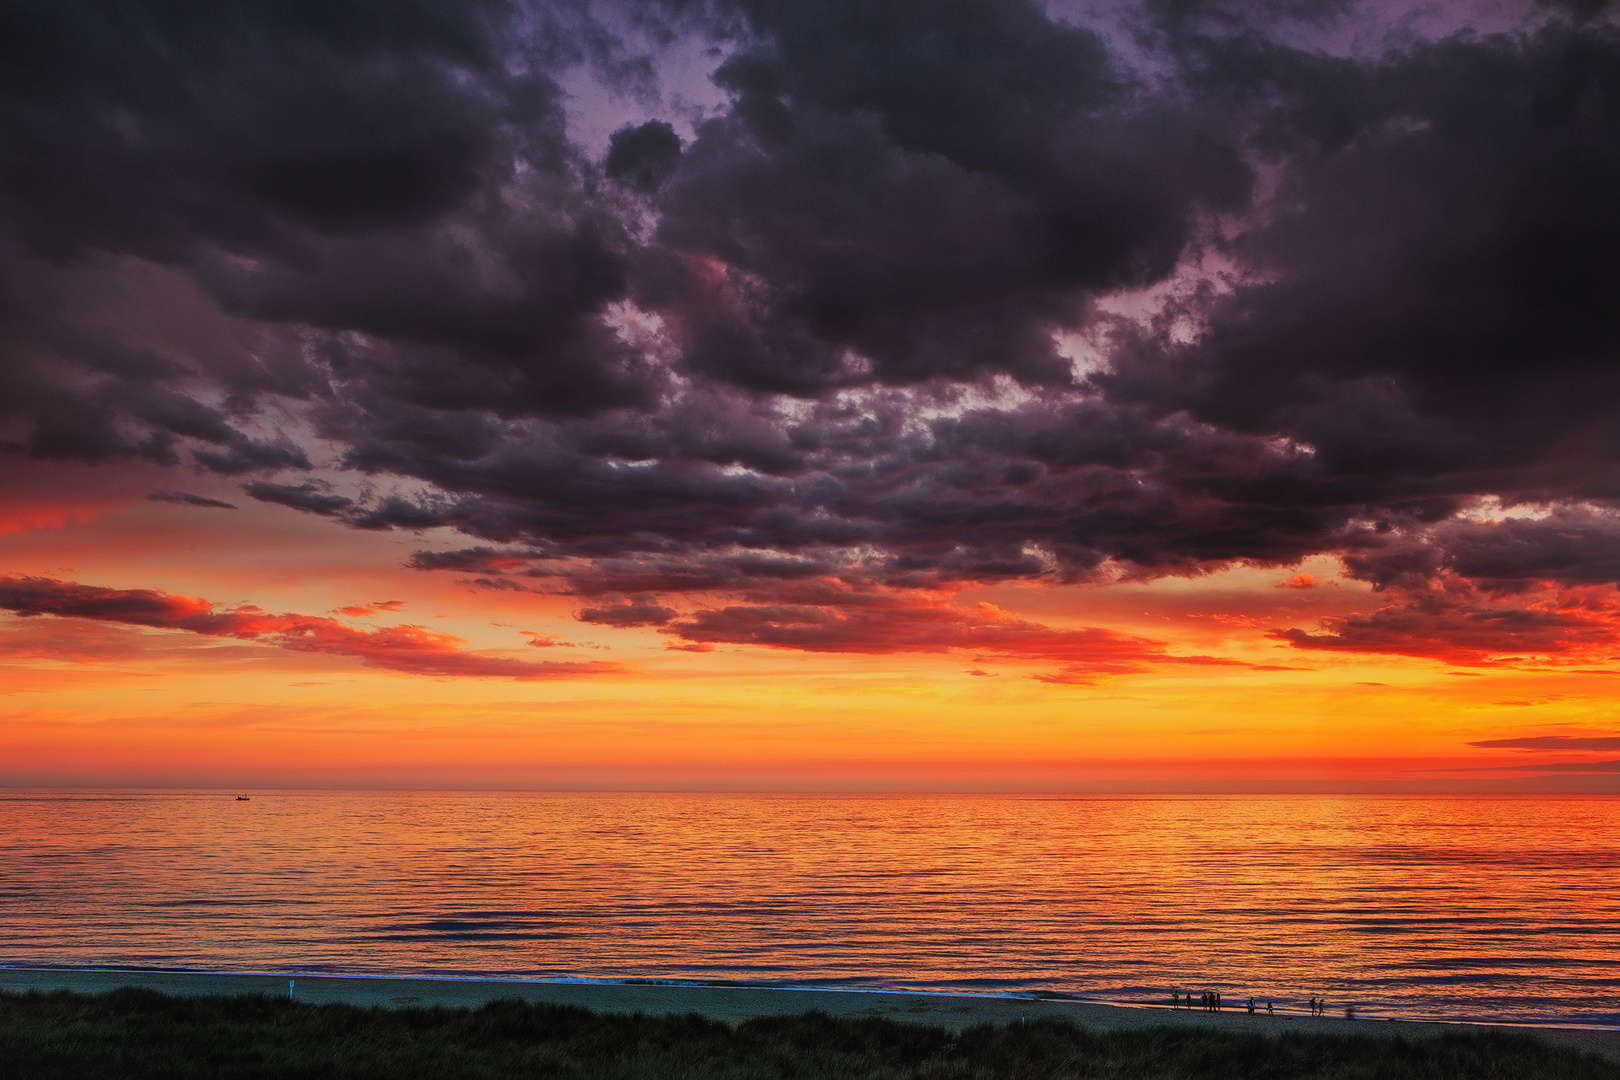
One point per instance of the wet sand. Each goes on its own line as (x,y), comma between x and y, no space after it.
(734,1003)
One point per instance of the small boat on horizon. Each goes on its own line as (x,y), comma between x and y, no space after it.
(244,798)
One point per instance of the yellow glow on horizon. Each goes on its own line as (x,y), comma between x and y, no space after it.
(155,703)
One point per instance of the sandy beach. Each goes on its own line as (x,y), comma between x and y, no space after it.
(735,1003)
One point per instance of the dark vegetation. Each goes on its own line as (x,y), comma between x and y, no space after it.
(139,1033)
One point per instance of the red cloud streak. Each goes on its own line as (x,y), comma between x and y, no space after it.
(413,649)
(877,624)
(1453,621)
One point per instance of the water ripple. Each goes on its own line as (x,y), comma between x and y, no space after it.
(1447,907)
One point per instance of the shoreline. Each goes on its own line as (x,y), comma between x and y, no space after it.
(734,1003)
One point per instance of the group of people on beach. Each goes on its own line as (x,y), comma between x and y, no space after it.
(1210,1001)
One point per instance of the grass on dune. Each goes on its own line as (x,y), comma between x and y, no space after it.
(140,1033)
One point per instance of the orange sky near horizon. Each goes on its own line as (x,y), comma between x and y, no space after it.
(102,702)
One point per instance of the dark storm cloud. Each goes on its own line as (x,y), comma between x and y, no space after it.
(921,189)
(396,171)
(866,492)
(1581,9)
(185,498)
(633,611)
(245,455)
(1574,545)
(238,124)
(1435,309)
(312,496)
(822,336)
(1455,621)
(315,497)
(643,156)
(108,358)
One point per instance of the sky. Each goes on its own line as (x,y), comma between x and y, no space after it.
(1146,395)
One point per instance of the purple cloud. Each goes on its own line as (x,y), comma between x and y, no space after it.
(933,296)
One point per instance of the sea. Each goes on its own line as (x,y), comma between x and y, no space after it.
(1481,908)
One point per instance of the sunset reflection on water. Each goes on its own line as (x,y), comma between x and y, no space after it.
(1477,907)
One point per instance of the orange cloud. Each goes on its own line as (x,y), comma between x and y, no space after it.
(545,641)
(408,648)
(883,623)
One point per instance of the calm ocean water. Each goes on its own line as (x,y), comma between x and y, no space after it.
(1450,907)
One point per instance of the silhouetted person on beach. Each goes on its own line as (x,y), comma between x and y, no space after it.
(1268,1008)
(1251,1006)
